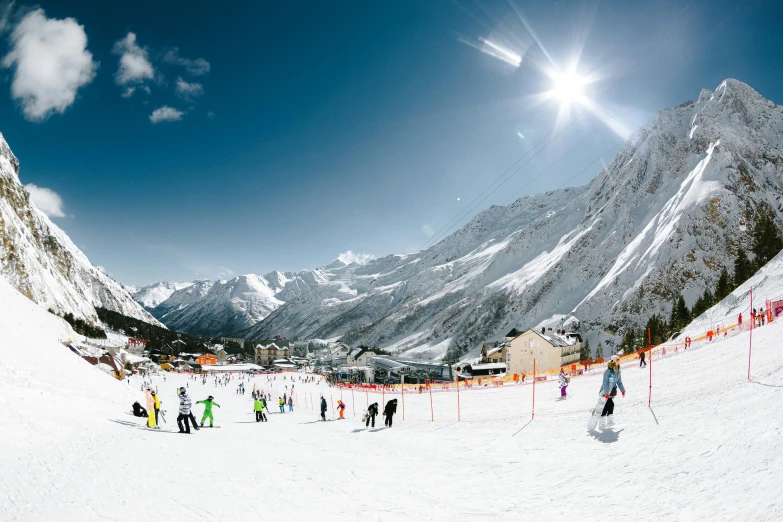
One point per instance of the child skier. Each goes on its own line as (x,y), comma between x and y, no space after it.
(341,408)
(281,404)
(208,403)
(612,381)
(290,404)
(564,380)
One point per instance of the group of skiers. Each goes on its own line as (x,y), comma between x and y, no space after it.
(185,418)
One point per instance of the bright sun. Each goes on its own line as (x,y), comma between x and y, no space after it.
(568,87)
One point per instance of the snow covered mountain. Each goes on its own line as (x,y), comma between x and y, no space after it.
(214,308)
(662,218)
(152,295)
(41,262)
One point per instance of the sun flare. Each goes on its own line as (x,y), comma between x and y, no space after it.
(568,87)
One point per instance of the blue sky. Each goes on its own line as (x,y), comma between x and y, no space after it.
(294,131)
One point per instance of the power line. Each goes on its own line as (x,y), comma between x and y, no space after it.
(450,224)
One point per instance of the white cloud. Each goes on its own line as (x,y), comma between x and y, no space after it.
(48,201)
(165,113)
(135,66)
(5,15)
(52,63)
(352,257)
(188,91)
(225,273)
(195,67)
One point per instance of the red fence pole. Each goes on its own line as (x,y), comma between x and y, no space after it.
(533,411)
(649,396)
(750,342)
(432,412)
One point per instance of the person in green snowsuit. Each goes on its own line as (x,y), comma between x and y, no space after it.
(258,407)
(208,402)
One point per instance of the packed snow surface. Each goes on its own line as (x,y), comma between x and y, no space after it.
(708,449)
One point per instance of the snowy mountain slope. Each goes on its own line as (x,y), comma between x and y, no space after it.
(41,261)
(217,308)
(152,295)
(661,218)
(709,446)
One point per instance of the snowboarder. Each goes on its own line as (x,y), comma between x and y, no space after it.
(138,410)
(564,380)
(612,380)
(150,399)
(341,408)
(372,412)
(389,411)
(184,411)
(258,407)
(642,357)
(208,403)
(323,408)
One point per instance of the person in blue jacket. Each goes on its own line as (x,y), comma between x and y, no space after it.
(612,381)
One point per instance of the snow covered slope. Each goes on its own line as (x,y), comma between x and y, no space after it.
(152,295)
(662,218)
(41,261)
(217,308)
(708,449)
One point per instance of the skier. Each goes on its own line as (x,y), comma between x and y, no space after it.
(138,410)
(258,407)
(372,412)
(208,402)
(184,411)
(389,411)
(642,357)
(150,399)
(612,380)
(290,404)
(323,408)
(157,407)
(564,380)
(281,404)
(341,408)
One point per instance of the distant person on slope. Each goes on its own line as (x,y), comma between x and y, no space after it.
(372,412)
(341,408)
(258,406)
(208,403)
(184,411)
(290,404)
(564,380)
(389,411)
(612,381)
(150,399)
(323,408)
(281,404)
(642,357)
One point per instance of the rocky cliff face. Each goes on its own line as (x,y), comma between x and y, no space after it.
(662,218)
(40,261)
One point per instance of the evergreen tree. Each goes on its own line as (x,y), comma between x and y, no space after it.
(584,352)
(742,268)
(680,316)
(703,303)
(629,340)
(766,238)
(723,287)
(599,352)
(659,330)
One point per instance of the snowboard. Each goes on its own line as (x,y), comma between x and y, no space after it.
(595,415)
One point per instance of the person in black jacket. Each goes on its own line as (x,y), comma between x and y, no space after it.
(138,410)
(323,408)
(372,412)
(389,411)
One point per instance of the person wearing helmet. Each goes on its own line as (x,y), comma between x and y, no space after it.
(208,403)
(611,382)
(184,411)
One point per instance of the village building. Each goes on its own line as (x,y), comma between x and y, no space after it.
(268,351)
(360,356)
(549,350)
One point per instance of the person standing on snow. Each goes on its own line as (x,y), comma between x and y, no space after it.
(612,381)
(564,380)
(184,411)
(389,411)
(372,412)
(258,407)
(642,357)
(281,404)
(323,408)
(157,407)
(290,404)
(341,408)
(150,400)
(208,403)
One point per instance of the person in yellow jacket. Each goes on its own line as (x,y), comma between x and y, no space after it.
(157,407)
(150,401)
